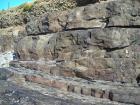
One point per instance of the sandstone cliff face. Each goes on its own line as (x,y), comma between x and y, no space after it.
(91,50)
(98,41)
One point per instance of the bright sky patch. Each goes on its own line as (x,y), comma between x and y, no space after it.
(5,4)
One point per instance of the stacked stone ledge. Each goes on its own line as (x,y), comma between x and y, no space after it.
(93,43)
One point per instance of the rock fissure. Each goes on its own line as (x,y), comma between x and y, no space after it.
(135,26)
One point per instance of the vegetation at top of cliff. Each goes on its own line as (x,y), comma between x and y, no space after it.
(57,4)
(26,7)
(47,5)
(29,11)
(33,10)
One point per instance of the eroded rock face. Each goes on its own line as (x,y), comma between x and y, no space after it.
(107,54)
(8,37)
(91,41)
(116,13)
(92,50)
(13,94)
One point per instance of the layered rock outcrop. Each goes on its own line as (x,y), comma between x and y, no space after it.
(90,51)
(91,40)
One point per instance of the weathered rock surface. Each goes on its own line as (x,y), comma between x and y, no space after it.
(107,54)
(112,13)
(88,53)
(73,90)
(11,94)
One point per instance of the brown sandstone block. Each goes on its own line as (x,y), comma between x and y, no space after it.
(39,80)
(86,91)
(77,89)
(54,72)
(31,66)
(93,92)
(99,93)
(71,88)
(60,85)
(67,73)
(105,94)
(44,68)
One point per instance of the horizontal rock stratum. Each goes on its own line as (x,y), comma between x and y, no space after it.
(88,55)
